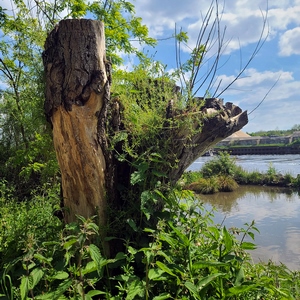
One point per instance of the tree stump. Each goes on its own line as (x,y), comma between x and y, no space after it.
(77,104)
(77,94)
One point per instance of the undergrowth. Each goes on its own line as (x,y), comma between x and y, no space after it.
(186,257)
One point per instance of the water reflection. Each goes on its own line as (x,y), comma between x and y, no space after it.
(276,212)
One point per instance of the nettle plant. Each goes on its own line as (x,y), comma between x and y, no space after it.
(187,257)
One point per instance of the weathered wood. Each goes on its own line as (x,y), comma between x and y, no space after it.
(214,121)
(77,93)
(83,117)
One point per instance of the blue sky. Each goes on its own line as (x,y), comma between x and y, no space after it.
(278,61)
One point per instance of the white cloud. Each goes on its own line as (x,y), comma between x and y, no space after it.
(289,42)
(243,19)
(281,105)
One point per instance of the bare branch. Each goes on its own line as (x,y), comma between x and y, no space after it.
(211,35)
(266,95)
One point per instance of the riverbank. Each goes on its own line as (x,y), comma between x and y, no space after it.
(259,150)
(222,173)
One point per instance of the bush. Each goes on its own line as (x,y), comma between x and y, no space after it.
(188,257)
(204,186)
(23,222)
(223,164)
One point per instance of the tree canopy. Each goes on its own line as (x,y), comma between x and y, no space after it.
(25,138)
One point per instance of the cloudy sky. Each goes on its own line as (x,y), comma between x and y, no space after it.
(273,74)
(276,66)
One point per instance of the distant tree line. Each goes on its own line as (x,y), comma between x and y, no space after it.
(276,132)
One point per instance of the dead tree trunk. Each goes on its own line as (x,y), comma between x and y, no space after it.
(77,94)
(83,116)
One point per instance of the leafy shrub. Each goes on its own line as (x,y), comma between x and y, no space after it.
(241,176)
(24,221)
(255,177)
(204,186)
(191,176)
(223,164)
(288,179)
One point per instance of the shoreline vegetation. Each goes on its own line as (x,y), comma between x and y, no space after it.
(188,256)
(221,174)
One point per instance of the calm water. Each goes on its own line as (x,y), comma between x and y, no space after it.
(276,211)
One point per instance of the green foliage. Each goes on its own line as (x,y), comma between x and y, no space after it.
(216,175)
(183,255)
(227,183)
(121,27)
(65,268)
(28,158)
(276,132)
(23,222)
(223,164)
(222,174)
(205,185)
(188,257)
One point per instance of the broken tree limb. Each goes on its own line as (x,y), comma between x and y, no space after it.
(215,122)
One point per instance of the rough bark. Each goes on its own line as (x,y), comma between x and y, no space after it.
(214,122)
(77,94)
(83,117)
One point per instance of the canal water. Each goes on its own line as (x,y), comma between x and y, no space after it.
(276,211)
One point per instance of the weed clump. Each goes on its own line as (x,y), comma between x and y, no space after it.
(221,174)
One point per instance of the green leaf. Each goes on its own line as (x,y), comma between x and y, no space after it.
(95,254)
(155,274)
(185,241)
(43,259)
(204,264)
(24,287)
(239,277)
(95,293)
(166,269)
(90,267)
(193,289)
(158,173)
(228,240)
(213,232)
(60,275)
(182,37)
(69,243)
(166,237)
(36,276)
(135,288)
(208,279)
(57,293)
(248,246)
(132,224)
(163,296)
(92,293)
(131,250)
(238,290)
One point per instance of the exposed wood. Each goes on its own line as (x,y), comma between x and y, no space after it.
(77,93)
(83,117)
(214,121)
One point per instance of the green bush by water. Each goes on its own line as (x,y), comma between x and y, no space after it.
(222,174)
